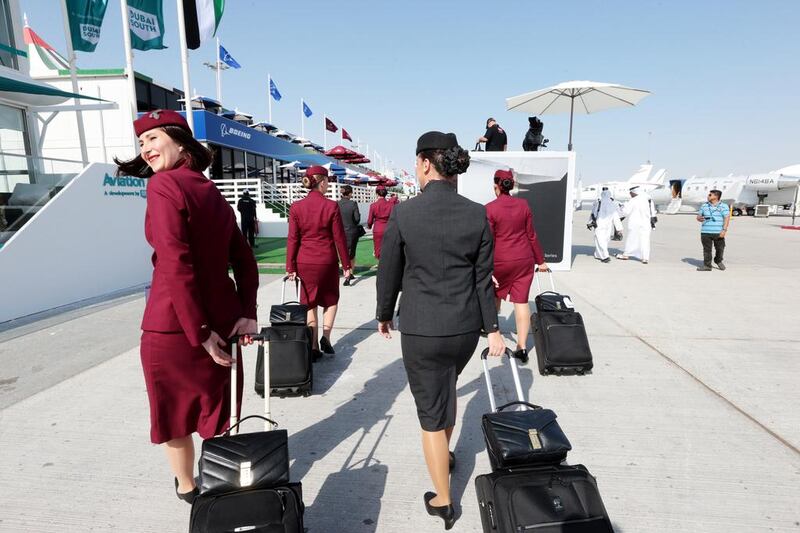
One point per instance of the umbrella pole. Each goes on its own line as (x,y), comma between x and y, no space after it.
(571,112)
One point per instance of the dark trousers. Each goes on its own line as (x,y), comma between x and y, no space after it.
(709,240)
(249,231)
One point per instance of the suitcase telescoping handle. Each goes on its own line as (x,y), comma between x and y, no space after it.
(539,285)
(517,383)
(297,284)
(236,354)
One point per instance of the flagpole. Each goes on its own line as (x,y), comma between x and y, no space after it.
(325,131)
(73,74)
(302,121)
(187,93)
(219,75)
(269,95)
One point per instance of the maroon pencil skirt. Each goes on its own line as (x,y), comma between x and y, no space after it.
(187,390)
(320,284)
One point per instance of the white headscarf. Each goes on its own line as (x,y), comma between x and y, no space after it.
(607,206)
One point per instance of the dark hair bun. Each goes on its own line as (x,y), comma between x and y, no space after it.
(455,161)
(506,184)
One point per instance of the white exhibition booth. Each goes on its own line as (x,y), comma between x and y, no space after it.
(88,241)
(546,180)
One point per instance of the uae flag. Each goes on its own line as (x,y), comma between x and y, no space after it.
(46,59)
(346,135)
(330,126)
(202,20)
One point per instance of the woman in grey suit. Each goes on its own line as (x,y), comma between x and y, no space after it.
(438,247)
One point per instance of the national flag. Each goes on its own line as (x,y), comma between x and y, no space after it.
(226,58)
(273,90)
(201,18)
(147,24)
(307,110)
(346,135)
(85,20)
(50,59)
(330,126)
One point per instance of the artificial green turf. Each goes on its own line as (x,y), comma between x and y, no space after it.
(273,250)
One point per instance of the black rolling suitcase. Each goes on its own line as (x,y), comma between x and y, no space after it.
(244,478)
(528,437)
(548,499)
(291,371)
(559,335)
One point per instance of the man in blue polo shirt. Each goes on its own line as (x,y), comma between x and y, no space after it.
(715,216)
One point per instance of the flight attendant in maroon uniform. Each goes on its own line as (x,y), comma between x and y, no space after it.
(193,306)
(516,251)
(316,233)
(379,213)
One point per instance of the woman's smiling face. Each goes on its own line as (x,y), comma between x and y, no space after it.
(159,150)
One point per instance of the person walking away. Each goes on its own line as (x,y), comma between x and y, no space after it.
(495,137)
(378,216)
(516,251)
(247,210)
(639,211)
(316,236)
(351,220)
(192,302)
(605,220)
(715,217)
(438,248)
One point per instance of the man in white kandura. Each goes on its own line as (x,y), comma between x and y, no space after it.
(639,211)
(605,219)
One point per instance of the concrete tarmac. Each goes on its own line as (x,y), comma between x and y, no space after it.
(690,420)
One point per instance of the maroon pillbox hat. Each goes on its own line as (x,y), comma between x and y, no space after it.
(159,118)
(503,174)
(316,170)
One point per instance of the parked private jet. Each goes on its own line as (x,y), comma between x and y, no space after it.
(620,189)
(743,193)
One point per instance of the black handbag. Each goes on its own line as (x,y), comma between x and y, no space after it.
(246,461)
(361,230)
(553,302)
(292,312)
(524,438)
(520,438)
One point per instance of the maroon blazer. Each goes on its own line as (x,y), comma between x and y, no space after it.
(193,232)
(515,238)
(379,212)
(316,233)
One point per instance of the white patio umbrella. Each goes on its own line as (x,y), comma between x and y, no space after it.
(293,164)
(575,97)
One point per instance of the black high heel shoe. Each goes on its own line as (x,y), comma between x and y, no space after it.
(522,355)
(326,347)
(445,512)
(188,497)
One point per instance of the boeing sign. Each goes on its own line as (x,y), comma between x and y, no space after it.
(226,130)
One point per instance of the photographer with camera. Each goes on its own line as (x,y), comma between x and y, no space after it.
(715,216)
(495,137)
(605,222)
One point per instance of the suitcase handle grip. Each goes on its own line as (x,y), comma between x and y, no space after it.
(538,283)
(264,418)
(509,404)
(297,283)
(485,353)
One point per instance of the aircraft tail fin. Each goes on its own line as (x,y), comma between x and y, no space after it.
(641,174)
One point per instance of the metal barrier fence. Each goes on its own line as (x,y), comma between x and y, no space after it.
(278,194)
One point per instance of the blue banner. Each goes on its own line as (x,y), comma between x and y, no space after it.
(226,58)
(273,90)
(307,110)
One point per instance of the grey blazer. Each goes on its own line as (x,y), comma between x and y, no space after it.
(438,247)
(351,217)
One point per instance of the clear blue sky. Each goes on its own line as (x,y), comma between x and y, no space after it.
(723,73)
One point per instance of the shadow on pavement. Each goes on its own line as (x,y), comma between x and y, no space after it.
(351,489)
(329,369)
(692,261)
